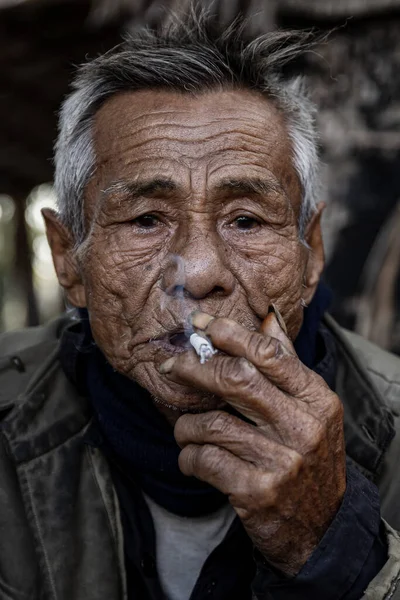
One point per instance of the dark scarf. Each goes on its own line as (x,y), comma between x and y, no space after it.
(309,345)
(134,433)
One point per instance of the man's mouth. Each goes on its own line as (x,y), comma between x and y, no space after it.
(174,342)
(179,340)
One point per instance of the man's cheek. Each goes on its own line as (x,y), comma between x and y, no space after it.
(121,297)
(118,350)
(120,272)
(273,275)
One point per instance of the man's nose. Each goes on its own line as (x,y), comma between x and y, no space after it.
(198,270)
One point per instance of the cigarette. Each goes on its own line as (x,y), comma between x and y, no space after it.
(203,347)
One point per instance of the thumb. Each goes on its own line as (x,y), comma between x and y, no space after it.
(274,326)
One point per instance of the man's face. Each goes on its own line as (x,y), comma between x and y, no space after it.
(194,205)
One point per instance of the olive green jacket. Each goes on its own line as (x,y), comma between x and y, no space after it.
(60,526)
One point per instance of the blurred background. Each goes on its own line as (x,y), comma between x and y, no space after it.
(354,78)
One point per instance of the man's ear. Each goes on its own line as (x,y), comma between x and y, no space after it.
(316,255)
(65,264)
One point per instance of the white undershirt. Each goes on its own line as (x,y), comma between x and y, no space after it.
(183,544)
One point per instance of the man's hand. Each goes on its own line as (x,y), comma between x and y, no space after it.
(285,473)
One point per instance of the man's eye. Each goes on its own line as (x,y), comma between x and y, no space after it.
(146,221)
(246,223)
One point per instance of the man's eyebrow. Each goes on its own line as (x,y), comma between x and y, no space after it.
(252,185)
(136,189)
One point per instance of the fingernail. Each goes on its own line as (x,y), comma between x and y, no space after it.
(201,320)
(167,366)
(279,318)
(281,350)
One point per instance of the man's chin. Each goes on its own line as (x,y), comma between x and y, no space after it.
(186,399)
(176,397)
(172,409)
(195,405)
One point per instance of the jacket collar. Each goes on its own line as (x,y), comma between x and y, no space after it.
(43,409)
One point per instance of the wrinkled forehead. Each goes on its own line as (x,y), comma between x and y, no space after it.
(206,137)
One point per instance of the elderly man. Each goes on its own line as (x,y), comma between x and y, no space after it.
(187,182)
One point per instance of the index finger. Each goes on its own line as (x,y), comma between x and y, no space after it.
(235,380)
(272,357)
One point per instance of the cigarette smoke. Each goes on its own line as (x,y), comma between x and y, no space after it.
(176,292)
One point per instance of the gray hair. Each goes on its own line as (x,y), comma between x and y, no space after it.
(189,55)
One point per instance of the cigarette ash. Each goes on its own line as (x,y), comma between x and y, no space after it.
(203,347)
